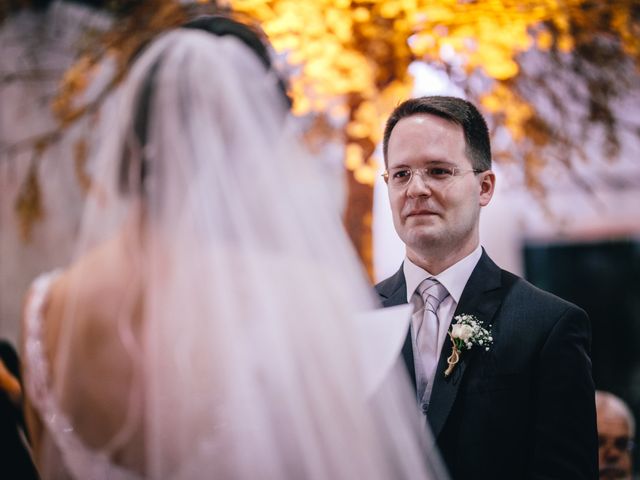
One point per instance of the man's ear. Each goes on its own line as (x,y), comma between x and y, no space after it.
(487,187)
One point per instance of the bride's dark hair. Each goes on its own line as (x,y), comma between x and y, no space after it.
(250,35)
(132,173)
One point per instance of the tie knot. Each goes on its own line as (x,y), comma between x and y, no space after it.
(432,292)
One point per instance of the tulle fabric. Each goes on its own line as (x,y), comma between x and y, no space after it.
(232,345)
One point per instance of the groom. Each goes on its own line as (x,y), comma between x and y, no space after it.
(521,405)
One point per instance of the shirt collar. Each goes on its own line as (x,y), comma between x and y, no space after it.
(454,278)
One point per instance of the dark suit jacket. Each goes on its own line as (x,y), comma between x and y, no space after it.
(525,408)
(16,460)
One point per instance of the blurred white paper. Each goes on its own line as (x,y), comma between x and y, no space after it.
(383,332)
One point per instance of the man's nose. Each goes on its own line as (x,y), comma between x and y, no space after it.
(611,453)
(418,186)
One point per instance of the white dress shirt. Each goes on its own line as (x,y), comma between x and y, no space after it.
(454,279)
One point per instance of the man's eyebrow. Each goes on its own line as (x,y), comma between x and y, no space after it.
(439,162)
(401,165)
(427,163)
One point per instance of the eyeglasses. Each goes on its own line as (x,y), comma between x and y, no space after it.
(401,177)
(622,444)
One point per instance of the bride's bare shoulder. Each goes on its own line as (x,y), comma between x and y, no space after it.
(108,270)
(96,284)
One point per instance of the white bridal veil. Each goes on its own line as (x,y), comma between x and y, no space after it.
(236,353)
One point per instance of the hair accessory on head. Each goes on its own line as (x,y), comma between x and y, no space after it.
(251,35)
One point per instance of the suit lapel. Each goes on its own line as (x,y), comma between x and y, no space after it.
(481,297)
(394,292)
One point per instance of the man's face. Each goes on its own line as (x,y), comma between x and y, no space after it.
(613,437)
(431,215)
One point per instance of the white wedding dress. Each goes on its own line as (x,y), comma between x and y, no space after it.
(76,458)
(244,354)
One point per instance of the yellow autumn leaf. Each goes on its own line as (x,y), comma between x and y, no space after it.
(366,111)
(438,14)
(353,156)
(491,103)
(421,43)
(301,105)
(502,70)
(390,8)
(544,40)
(361,14)
(357,129)
(365,174)
(565,43)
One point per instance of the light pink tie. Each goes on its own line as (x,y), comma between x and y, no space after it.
(426,326)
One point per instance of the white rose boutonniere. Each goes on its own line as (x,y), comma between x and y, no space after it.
(466,332)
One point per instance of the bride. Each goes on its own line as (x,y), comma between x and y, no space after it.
(206,327)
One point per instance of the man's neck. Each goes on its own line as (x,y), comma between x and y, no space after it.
(438,260)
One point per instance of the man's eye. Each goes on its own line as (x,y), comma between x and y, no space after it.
(400,174)
(440,172)
(621,443)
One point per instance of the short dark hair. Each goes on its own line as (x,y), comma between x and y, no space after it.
(455,110)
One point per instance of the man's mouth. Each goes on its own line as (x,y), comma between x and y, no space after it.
(420,212)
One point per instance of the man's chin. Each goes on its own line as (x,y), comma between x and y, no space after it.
(613,473)
(423,238)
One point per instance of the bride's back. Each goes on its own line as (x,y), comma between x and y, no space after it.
(99,300)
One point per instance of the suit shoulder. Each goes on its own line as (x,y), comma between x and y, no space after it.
(523,291)
(385,285)
(390,285)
